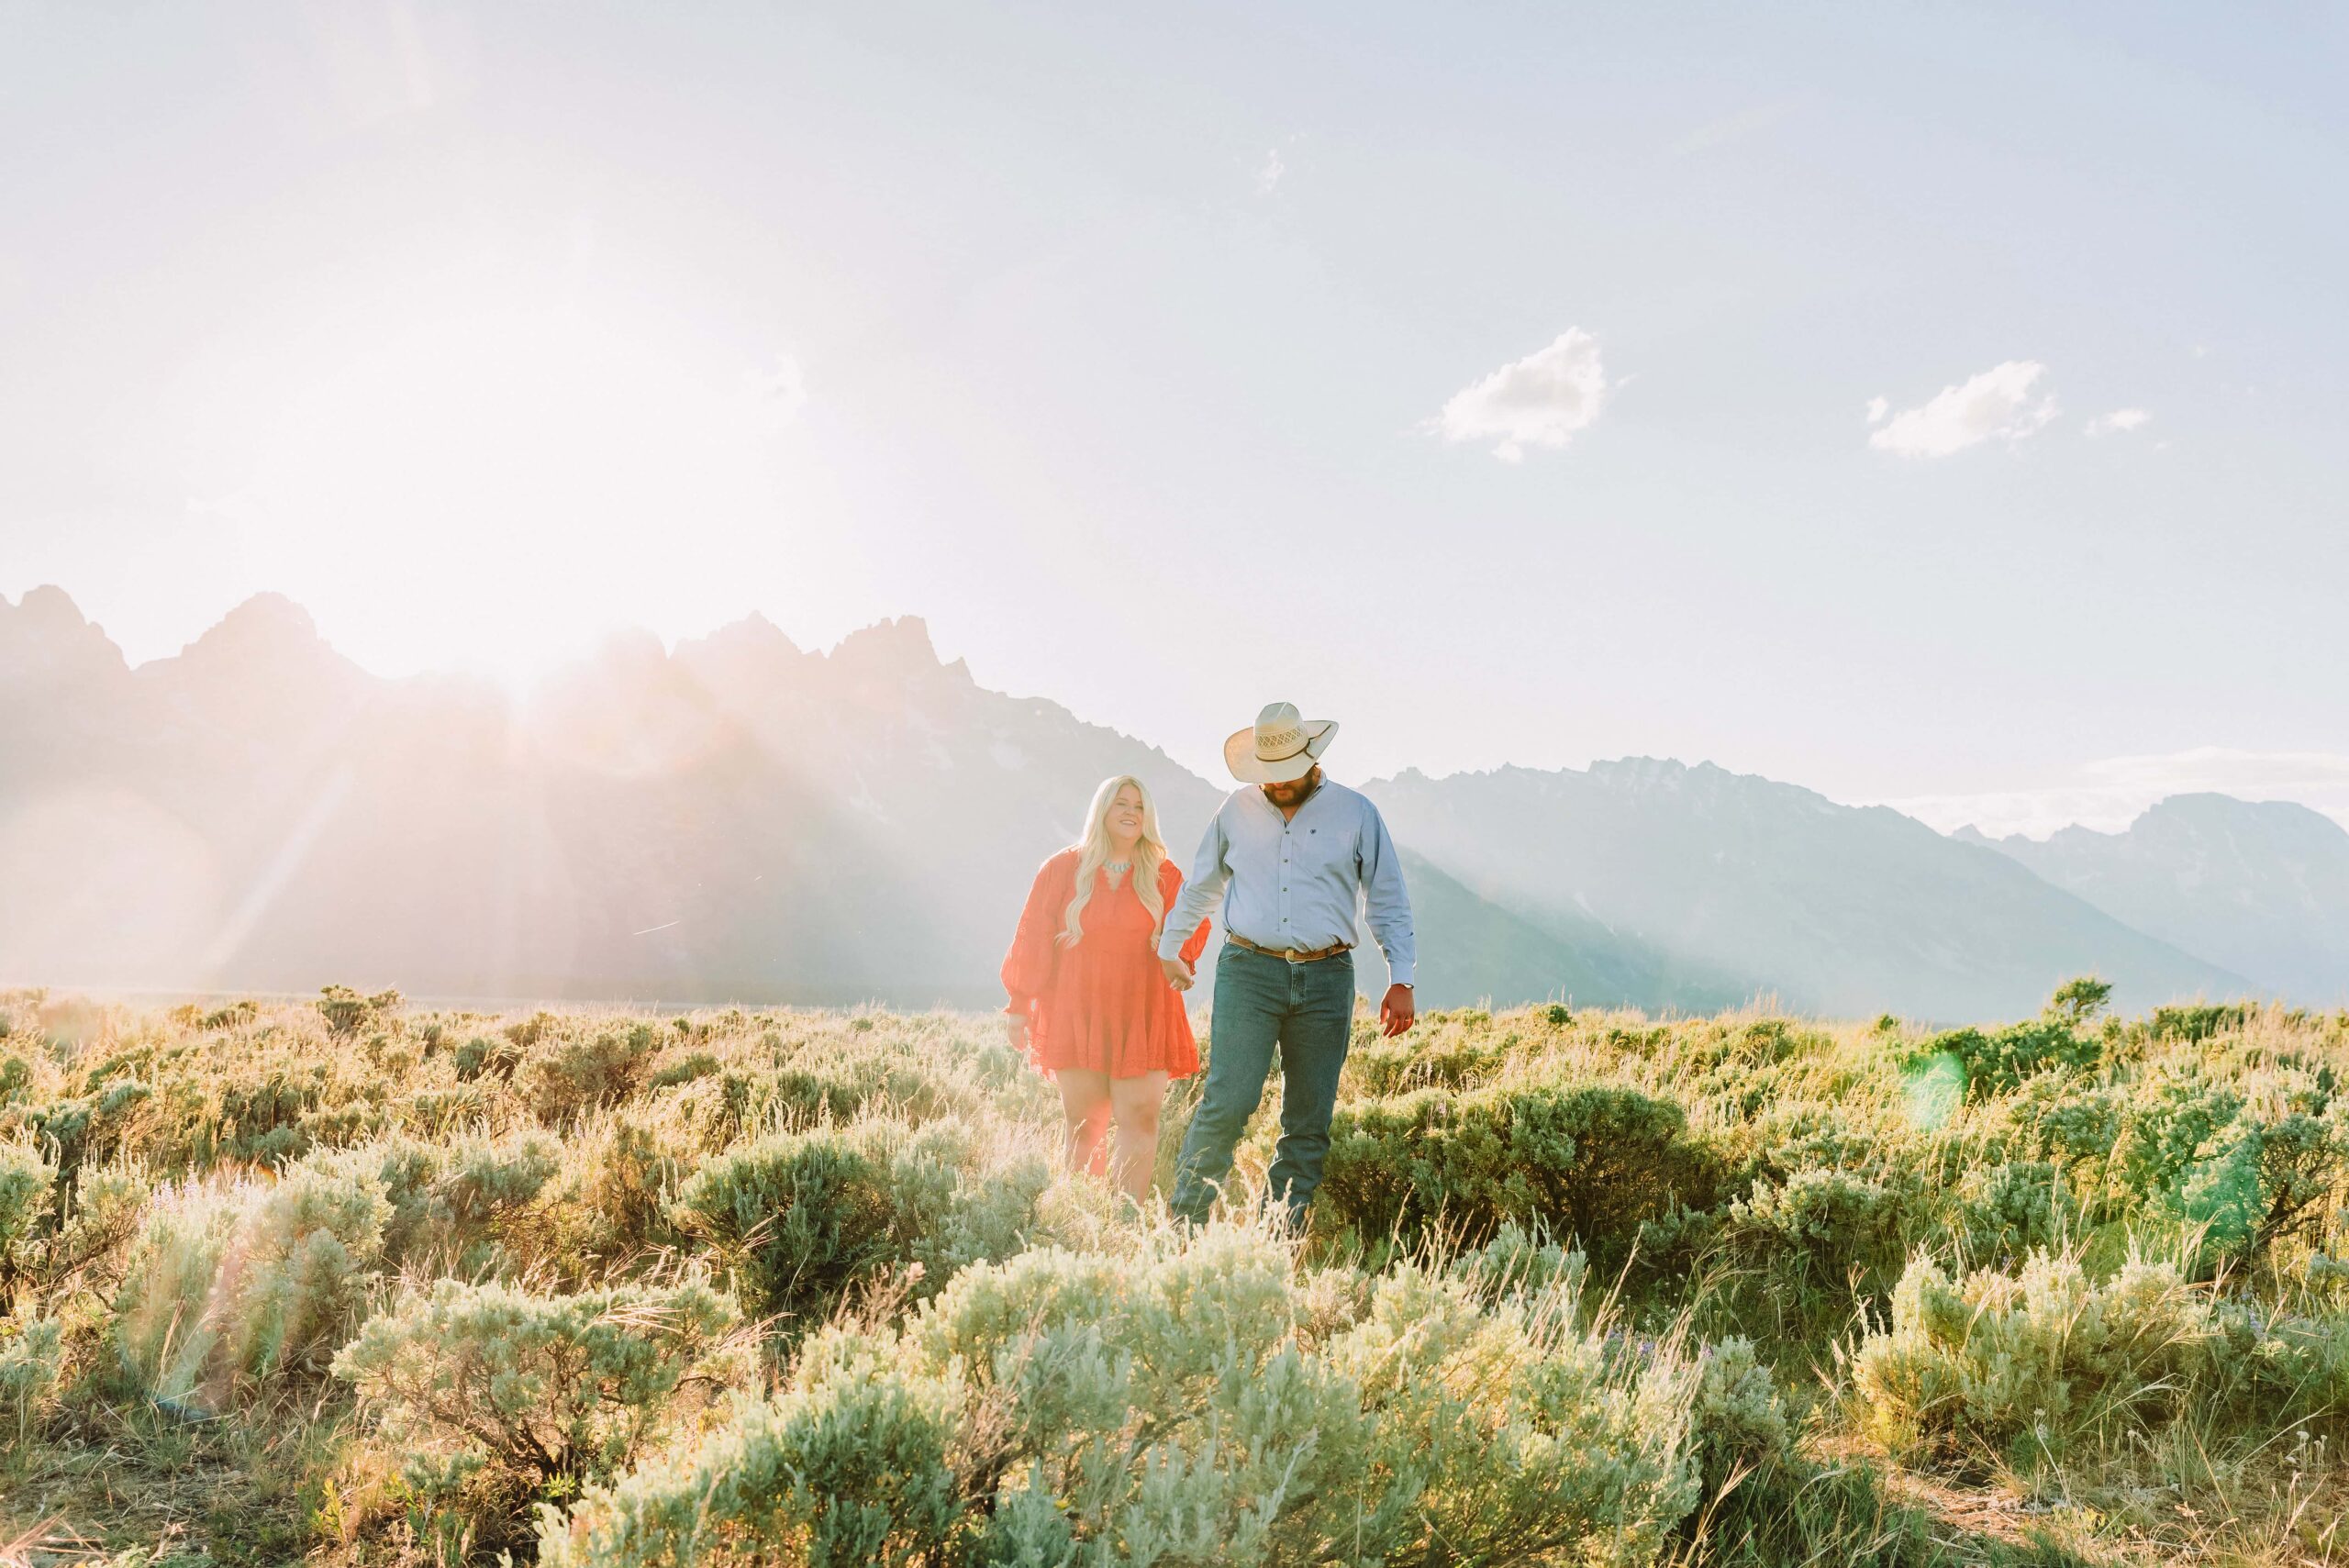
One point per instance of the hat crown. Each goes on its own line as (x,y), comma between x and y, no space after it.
(1280,732)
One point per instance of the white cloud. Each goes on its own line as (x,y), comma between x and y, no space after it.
(2120,421)
(1877,409)
(1996,404)
(2109,794)
(1269,172)
(1541,400)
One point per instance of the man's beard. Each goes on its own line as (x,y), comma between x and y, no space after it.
(1292,792)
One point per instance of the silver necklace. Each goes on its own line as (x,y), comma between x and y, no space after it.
(1114,867)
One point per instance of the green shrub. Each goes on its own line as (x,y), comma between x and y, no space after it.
(2284,1367)
(1591,1162)
(482,1056)
(32,1365)
(1996,1063)
(616,1186)
(1740,1423)
(2067,1122)
(2259,1182)
(1820,1225)
(1517,1262)
(2004,1212)
(452,1202)
(2199,1022)
(27,1189)
(493,1396)
(232,1286)
(804,1216)
(799,1217)
(2023,1365)
(347,1012)
(2077,1002)
(1065,1407)
(578,1076)
(2164,1127)
(1397,1067)
(481,1179)
(846,1472)
(107,1207)
(234,1016)
(684,1070)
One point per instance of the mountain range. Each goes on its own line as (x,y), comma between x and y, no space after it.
(738,817)
(2260,887)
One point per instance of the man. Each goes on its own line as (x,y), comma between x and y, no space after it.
(1297,853)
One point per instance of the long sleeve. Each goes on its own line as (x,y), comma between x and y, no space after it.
(1210,870)
(1385,901)
(1170,882)
(1028,967)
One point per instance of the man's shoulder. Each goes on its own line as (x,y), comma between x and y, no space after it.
(1352,799)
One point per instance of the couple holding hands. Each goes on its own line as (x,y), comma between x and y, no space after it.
(1112,933)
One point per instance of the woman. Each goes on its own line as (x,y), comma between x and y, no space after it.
(1089,1002)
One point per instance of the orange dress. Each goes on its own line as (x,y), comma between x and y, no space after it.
(1103,1005)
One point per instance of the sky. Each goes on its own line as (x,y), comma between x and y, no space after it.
(1937,406)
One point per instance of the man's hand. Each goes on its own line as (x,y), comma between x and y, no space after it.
(1396,1013)
(1178,973)
(1015,1026)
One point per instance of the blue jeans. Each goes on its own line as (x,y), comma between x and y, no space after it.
(1306,1011)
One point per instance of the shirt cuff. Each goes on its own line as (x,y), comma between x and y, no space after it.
(1399,972)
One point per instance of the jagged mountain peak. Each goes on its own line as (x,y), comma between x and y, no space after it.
(754,636)
(266,625)
(898,645)
(2260,886)
(2206,809)
(46,608)
(44,638)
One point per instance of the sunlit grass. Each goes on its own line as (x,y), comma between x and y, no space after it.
(2066,1291)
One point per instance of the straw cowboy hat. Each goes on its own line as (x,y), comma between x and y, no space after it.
(1280,747)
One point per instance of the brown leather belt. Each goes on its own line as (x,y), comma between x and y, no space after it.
(1332,950)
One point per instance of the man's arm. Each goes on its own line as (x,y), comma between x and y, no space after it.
(1388,908)
(1385,901)
(1210,873)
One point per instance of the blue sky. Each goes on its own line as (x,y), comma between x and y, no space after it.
(1158,357)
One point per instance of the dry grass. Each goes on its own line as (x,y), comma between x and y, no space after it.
(285,1472)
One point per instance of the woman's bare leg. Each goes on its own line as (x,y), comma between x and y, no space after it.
(1135,1102)
(1085,1102)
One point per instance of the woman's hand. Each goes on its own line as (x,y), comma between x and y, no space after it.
(1178,973)
(1014,1028)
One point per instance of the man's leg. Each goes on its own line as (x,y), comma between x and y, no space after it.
(1313,1050)
(1250,999)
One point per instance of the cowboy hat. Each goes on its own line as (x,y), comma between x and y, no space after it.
(1279,747)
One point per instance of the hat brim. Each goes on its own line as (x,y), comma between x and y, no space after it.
(1239,755)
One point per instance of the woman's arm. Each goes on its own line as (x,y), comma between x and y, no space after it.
(1170,885)
(1028,967)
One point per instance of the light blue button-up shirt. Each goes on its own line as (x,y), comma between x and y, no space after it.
(1297,884)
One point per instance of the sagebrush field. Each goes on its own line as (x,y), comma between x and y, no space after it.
(355,1282)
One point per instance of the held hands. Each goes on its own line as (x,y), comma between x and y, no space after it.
(1015,1026)
(1178,973)
(1396,1013)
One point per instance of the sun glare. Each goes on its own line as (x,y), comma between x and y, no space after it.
(492,489)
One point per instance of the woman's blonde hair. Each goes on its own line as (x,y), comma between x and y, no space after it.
(1093,852)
